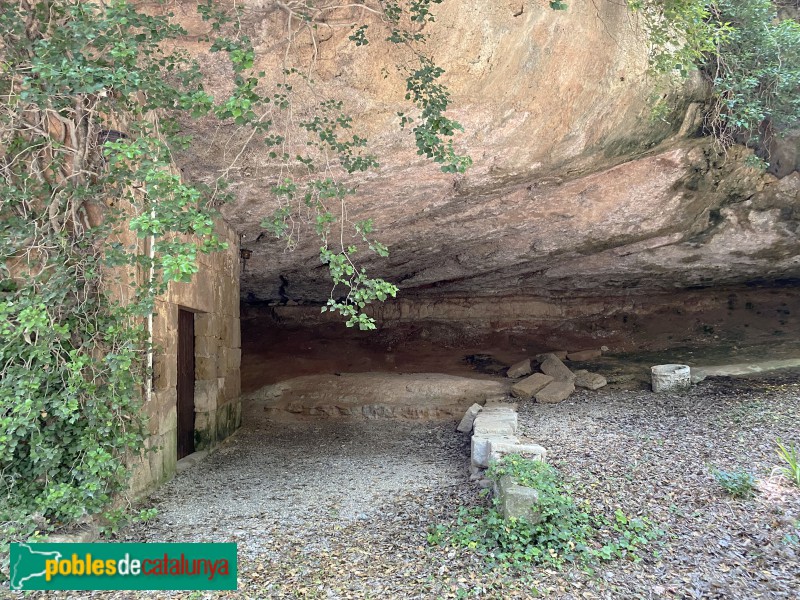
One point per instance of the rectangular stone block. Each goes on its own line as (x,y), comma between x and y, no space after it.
(482,447)
(234,358)
(161,413)
(590,381)
(233,385)
(206,346)
(495,405)
(206,324)
(205,430)
(517,501)
(519,369)
(465,426)
(205,395)
(165,371)
(555,392)
(500,448)
(553,366)
(495,424)
(530,385)
(222,359)
(205,367)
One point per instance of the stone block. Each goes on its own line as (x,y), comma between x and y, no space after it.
(500,448)
(205,367)
(498,423)
(584,355)
(226,421)
(553,366)
(165,371)
(164,323)
(555,392)
(234,358)
(155,465)
(465,426)
(233,385)
(590,381)
(206,393)
(205,430)
(161,412)
(207,325)
(482,447)
(517,501)
(519,369)
(530,385)
(206,346)
(222,359)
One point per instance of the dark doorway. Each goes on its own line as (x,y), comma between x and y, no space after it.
(185,383)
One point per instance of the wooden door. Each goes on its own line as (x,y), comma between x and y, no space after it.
(185,383)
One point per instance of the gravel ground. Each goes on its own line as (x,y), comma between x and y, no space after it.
(340,509)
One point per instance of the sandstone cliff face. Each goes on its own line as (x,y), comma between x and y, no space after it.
(575,187)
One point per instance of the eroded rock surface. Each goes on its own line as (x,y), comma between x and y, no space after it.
(377,395)
(575,187)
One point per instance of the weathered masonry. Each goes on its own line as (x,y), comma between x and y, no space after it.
(196,382)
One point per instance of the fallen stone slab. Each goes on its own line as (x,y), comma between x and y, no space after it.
(555,392)
(590,381)
(517,501)
(530,385)
(500,448)
(519,369)
(495,423)
(584,355)
(481,447)
(465,426)
(553,366)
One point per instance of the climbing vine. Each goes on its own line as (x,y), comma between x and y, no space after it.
(96,222)
(749,55)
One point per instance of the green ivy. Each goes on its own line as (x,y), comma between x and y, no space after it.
(567,532)
(749,56)
(96,99)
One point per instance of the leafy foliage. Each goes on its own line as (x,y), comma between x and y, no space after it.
(71,348)
(566,532)
(789,455)
(750,57)
(738,483)
(95,222)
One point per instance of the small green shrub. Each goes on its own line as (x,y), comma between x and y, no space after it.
(789,455)
(738,483)
(567,532)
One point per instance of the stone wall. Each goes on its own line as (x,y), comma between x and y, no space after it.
(213,296)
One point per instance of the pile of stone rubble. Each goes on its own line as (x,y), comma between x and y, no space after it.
(494,426)
(494,434)
(556,381)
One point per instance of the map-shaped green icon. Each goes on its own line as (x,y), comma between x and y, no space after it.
(27,564)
